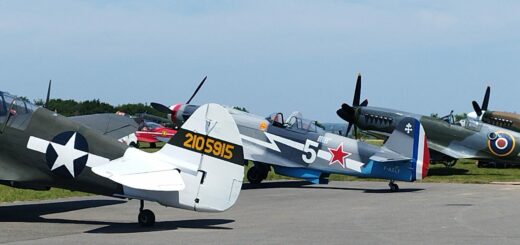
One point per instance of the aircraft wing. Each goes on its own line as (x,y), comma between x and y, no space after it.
(376,134)
(109,124)
(385,156)
(456,151)
(152,176)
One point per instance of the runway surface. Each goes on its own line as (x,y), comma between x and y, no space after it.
(285,213)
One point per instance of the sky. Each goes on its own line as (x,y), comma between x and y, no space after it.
(268,56)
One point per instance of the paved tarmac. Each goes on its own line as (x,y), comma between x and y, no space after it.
(285,213)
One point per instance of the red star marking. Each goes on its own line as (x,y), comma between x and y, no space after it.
(338,155)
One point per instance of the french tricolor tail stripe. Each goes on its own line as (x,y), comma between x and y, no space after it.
(421,154)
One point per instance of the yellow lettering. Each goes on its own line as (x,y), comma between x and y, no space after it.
(199,143)
(229,151)
(189,142)
(217,148)
(209,146)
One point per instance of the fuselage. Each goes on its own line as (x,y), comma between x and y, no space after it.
(302,149)
(28,168)
(472,140)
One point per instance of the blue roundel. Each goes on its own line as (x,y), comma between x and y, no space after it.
(67,154)
(501,144)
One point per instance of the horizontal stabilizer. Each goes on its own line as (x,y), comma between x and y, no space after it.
(388,157)
(131,171)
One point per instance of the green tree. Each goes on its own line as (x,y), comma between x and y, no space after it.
(133,109)
(93,107)
(64,107)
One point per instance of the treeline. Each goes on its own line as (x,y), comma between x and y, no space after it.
(75,108)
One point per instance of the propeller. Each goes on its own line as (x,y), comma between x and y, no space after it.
(485,103)
(348,113)
(164,109)
(160,107)
(477,108)
(197,90)
(46,105)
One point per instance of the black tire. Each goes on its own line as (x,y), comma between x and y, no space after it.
(153,145)
(255,175)
(450,164)
(394,187)
(134,144)
(146,218)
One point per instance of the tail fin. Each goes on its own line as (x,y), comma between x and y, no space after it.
(212,165)
(200,169)
(409,140)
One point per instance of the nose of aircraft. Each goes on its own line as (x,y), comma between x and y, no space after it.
(174,111)
(472,115)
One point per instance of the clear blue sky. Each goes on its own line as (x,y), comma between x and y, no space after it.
(269,55)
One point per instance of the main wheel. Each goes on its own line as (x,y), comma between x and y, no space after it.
(450,164)
(146,218)
(255,175)
(393,187)
(153,145)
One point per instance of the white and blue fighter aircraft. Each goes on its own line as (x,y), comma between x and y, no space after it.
(301,149)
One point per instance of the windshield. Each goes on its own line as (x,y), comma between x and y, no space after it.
(147,125)
(472,125)
(3,108)
(152,125)
(20,110)
(302,124)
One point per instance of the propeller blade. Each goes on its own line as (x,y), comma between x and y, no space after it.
(357,93)
(347,113)
(161,108)
(356,132)
(485,102)
(197,90)
(364,103)
(477,108)
(349,127)
(346,107)
(48,94)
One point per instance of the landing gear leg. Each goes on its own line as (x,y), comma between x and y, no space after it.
(393,186)
(146,217)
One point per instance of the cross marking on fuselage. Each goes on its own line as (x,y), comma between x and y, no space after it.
(408,128)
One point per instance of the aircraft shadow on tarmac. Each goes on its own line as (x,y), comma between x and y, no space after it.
(32,213)
(447,171)
(308,185)
(122,228)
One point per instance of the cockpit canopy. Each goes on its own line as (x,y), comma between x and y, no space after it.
(295,122)
(18,110)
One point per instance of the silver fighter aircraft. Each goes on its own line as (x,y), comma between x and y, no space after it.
(301,149)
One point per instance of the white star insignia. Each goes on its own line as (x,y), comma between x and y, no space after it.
(67,154)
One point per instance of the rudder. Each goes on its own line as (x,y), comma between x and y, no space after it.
(409,140)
